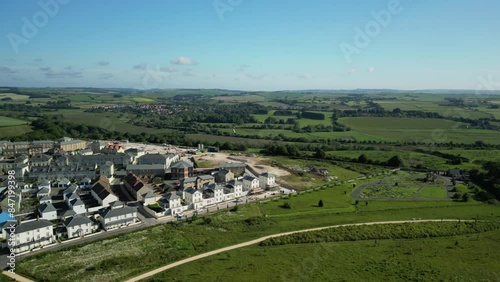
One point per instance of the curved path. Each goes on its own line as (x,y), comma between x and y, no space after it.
(252,242)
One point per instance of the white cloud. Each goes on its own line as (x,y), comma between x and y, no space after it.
(142,66)
(167,69)
(103,63)
(184,61)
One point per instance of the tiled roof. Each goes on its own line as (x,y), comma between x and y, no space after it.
(77,220)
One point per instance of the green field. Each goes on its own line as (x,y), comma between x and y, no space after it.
(419,130)
(7,121)
(13,127)
(14,96)
(406,186)
(409,158)
(457,258)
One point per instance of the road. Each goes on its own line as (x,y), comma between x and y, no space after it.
(252,242)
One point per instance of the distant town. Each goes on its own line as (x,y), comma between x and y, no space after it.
(69,189)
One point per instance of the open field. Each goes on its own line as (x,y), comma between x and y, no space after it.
(7,121)
(463,258)
(475,155)
(14,96)
(404,186)
(420,130)
(409,158)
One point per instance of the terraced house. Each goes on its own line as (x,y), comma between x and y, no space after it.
(32,234)
(136,187)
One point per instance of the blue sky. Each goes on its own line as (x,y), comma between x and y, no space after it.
(250,44)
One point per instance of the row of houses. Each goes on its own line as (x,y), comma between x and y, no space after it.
(199,192)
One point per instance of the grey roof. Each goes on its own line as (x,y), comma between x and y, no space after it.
(223,172)
(68,213)
(64,181)
(116,204)
(86,180)
(235,182)
(149,194)
(77,220)
(45,198)
(77,202)
(42,142)
(145,167)
(43,191)
(32,225)
(190,190)
(46,207)
(267,174)
(249,178)
(153,157)
(171,196)
(44,183)
(182,164)
(71,142)
(190,179)
(205,177)
(117,212)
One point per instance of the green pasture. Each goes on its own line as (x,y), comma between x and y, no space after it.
(457,258)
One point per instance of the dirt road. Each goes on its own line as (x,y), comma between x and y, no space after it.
(252,242)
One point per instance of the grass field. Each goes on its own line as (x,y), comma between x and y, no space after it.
(409,158)
(458,258)
(419,130)
(108,120)
(404,186)
(7,121)
(14,96)
(13,127)
(475,155)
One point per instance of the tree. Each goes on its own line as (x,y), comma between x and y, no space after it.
(320,203)
(395,162)
(363,159)
(465,197)
(320,154)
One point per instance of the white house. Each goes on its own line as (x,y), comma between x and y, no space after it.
(78,226)
(77,206)
(267,180)
(173,204)
(193,198)
(107,169)
(114,218)
(31,234)
(101,191)
(47,211)
(149,198)
(250,183)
